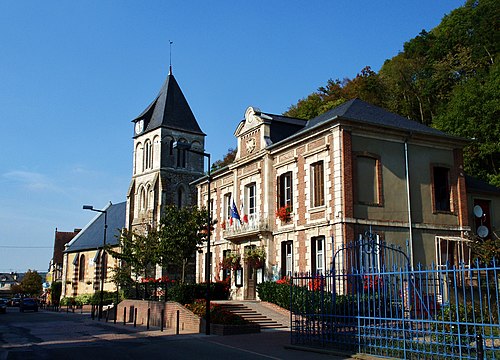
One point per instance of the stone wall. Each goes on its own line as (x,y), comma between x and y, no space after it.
(188,322)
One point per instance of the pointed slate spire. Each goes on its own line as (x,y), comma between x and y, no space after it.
(169,109)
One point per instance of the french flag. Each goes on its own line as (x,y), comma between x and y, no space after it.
(234,212)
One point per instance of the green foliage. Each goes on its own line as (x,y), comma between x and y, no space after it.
(447,78)
(55,292)
(31,284)
(456,323)
(188,293)
(486,249)
(138,251)
(90,299)
(180,235)
(226,160)
(217,314)
(275,293)
(67,300)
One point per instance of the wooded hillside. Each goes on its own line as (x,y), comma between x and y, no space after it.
(447,78)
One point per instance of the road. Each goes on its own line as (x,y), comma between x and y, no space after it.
(47,335)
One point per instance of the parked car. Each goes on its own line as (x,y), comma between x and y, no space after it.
(3,306)
(15,301)
(28,304)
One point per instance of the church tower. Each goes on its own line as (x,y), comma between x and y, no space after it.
(161,173)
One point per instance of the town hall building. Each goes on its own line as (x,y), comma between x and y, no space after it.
(299,190)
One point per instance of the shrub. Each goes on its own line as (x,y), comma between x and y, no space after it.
(65,301)
(275,292)
(187,293)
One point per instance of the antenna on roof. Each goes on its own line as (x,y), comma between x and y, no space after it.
(170,68)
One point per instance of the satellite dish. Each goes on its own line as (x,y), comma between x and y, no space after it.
(482,231)
(478,211)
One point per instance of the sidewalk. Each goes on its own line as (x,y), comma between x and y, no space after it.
(274,344)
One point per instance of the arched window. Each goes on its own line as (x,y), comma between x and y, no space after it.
(81,270)
(138,158)
(143,199)
(148,155)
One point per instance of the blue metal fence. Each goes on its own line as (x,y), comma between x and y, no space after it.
(391,310)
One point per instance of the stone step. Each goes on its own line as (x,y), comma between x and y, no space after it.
(252,315)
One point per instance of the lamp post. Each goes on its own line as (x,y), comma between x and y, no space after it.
(105,212)
(187,146)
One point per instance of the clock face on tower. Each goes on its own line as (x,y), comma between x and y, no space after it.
(139,127)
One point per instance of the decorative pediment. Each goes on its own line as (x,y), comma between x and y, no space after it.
(252,120)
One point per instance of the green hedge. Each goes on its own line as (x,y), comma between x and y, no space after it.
(188,293)
(275,293)
(109,297)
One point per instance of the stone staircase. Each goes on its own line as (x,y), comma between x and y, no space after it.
(256,313)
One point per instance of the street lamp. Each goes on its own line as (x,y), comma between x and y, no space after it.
(187,146)
(105,212)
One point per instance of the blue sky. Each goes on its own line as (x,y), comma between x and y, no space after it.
(74,74)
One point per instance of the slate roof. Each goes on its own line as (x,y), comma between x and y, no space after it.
(475,185)
(361,111)
(91,236)
(169,109)
(283,126)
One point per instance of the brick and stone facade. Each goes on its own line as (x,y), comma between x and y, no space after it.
(325,162)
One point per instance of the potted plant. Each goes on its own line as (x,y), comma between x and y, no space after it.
(255,256)
(284,213)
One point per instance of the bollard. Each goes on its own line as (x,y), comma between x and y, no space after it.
(135,317)
(124,315)
(479,347)
(162,319)
(92,312)
(147,322)
(107,314)
(116,313)
(177,327)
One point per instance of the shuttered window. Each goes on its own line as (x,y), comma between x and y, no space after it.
(318,184)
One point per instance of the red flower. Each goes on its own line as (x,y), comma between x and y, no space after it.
(316,284)
(283,213)
(285,280)
(372,282)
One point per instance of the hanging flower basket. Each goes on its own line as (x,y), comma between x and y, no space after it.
(256,257)
(231,262)
(284,213)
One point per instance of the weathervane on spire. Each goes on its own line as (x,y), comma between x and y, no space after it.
(171,42)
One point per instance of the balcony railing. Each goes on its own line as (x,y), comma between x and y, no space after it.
(252,223)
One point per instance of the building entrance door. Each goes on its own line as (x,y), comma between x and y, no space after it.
(251,281)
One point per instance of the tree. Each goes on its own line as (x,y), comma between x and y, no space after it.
(182,231)
(31,284)
(226,160)
(473,112)
(138,252)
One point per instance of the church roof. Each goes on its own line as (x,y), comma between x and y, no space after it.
(169,109)
(92,235)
